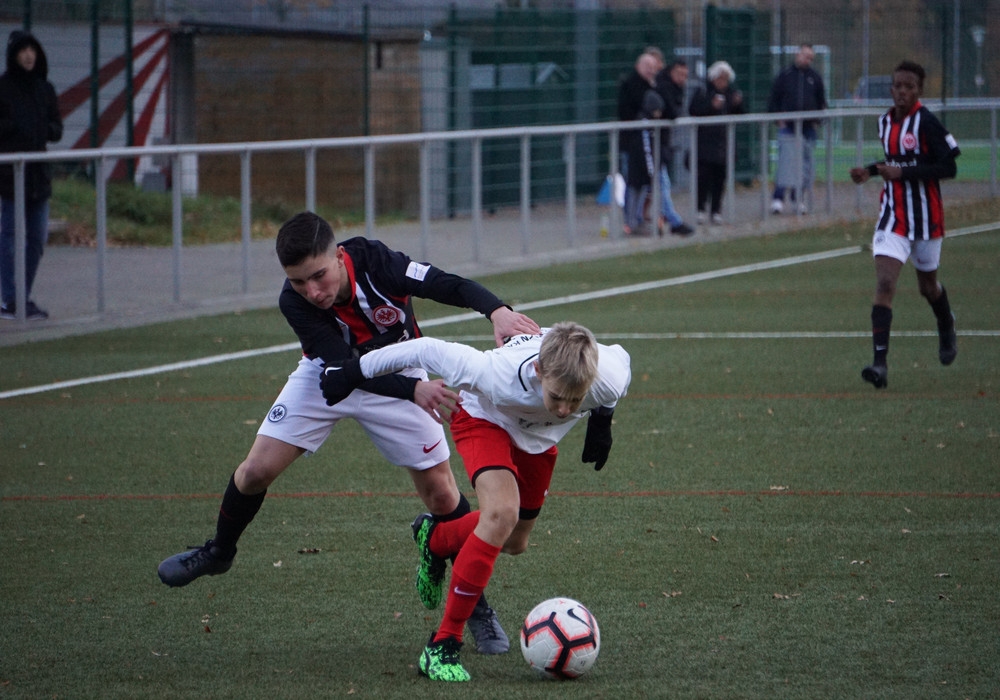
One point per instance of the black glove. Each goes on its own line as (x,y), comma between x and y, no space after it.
(597,443)
(339,379)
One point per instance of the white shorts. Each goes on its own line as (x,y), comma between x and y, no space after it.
(401,430)
(926,254)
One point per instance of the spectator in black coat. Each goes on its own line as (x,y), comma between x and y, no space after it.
(715,99)
(671,83)
(631,91)
(29,118)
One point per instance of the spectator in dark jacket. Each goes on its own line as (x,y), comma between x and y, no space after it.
(715,99)
(642,165)
(671,84)
(29,118)
(631,91)
(798,88)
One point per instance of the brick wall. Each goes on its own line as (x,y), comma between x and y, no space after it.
(269,88)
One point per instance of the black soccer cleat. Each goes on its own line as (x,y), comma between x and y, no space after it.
(876,375)
(485,627)
(207,560)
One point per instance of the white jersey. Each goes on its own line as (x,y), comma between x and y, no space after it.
(502,386)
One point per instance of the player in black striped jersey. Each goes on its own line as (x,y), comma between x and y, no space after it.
(919,153)
(343,301)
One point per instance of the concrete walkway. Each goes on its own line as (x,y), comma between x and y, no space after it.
(140,288)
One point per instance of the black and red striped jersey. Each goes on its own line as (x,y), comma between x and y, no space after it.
(925,151)
(380,310)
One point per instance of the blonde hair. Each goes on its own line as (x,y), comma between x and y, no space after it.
(568,356)
(720,68)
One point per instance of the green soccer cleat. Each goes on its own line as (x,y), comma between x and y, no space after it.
(430,571)
(440,661)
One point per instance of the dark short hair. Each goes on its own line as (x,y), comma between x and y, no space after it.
(677,62)
(912,67)
(305,235)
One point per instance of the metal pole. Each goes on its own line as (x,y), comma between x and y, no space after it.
(245,217)
(859,154)
(693,169)
(655,204)
(615,220)
(994,191)
(425,200)
(730,172)
(477,197)
(765,157)
(828,141)
(800,156)
(311,179)
(569,156)
(369,191)
(525,194)
(177,222)
(100,181)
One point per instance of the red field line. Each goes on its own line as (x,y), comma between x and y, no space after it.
(564,494)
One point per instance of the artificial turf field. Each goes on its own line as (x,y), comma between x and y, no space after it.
(768,525)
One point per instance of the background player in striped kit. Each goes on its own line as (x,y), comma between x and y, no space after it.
(919,153)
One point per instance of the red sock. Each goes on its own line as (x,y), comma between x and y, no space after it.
(469,577)
(448,537)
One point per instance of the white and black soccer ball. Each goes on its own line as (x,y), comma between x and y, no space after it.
(560,638)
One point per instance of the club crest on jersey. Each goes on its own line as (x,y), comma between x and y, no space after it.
(277,412)
(385,316)
(909,142)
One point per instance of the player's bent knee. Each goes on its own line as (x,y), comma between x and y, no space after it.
(500,522)
(254,477)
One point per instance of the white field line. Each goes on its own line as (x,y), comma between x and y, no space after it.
(556,301)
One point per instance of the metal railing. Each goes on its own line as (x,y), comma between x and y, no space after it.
(99,159)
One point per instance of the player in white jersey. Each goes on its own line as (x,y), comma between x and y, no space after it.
(515,403)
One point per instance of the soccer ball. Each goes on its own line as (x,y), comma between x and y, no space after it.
(560,638)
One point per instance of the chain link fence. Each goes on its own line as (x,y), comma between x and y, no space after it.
(246,70)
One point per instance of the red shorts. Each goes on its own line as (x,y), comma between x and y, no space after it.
(484,445)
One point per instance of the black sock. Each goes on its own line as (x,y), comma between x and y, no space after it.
(881,324)
(235,514)
(942,311)
(461,509)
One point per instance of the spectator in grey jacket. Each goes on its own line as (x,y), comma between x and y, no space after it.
(798,88)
